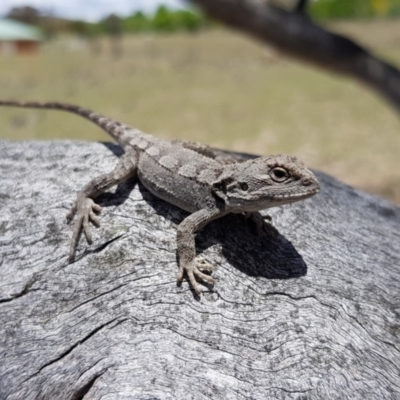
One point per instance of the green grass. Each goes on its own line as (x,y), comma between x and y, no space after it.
(219,88)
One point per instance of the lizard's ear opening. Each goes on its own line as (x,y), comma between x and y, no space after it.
(219,188)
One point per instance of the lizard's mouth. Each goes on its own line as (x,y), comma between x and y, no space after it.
(272,200)
(298,196)
(289,198)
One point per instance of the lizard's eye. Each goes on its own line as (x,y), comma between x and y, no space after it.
(279,174)
(244,186)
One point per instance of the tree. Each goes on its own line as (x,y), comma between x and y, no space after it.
(189,20)
(138,22)
(164,20)
(27,14)
(381,7)
(114,31)
(296,34)
(80,28)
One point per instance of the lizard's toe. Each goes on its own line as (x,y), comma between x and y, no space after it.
(204,277)
(181,273)
(85,210)
(195,273)
(203,265)
(71,213)
(93,218)
(196,287)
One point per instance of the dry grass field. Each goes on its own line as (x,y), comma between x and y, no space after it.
(218,88)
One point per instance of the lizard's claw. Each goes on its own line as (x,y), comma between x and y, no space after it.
(194,271)
(85,210)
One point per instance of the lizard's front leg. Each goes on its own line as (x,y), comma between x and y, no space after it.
(188,262)
(85,208)
(263,222)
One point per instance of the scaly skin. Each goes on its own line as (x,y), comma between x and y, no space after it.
(189,176)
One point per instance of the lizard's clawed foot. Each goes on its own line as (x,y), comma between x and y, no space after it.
(195,272)
(85,209)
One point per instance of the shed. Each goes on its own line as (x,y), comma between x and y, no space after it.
(17,37)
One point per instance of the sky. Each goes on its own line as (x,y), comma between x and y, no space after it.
(91,10)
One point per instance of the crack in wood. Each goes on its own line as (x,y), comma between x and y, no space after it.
(65,353)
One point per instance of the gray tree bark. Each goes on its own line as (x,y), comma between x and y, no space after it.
(310,314)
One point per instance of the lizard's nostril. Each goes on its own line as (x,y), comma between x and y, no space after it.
(306,182)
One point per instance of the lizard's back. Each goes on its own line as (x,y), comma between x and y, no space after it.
(176,174)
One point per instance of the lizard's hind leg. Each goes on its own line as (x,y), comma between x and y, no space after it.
(84,206)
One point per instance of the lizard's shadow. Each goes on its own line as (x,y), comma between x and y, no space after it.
(268,255)
(116,149)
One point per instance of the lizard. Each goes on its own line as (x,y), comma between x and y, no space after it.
(186,175)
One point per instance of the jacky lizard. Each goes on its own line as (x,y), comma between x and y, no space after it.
(189,176)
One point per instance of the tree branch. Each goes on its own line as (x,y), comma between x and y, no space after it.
(301,6)
(296,35)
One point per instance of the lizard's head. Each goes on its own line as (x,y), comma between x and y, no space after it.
(265,182)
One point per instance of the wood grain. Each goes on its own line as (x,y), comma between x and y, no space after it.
(310,314)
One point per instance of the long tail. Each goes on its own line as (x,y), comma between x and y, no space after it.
(112,127)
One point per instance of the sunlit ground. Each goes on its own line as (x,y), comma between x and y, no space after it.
(222,89)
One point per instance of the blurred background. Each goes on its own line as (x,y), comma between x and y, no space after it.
(163,67)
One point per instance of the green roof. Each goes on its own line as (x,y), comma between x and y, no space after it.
(15,30)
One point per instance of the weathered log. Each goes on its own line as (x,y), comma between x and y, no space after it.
(310,314)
